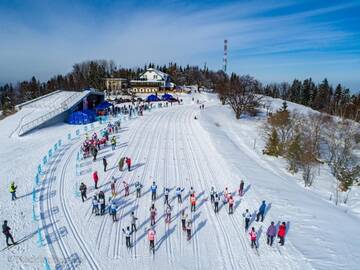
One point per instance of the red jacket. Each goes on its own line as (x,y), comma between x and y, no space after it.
(282,231)
(252,235)
(95,177)
(192,200)
(128,161)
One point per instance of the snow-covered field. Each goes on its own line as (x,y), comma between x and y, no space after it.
(172,148)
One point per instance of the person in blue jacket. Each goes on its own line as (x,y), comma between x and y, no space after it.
(153,191)
(261,212)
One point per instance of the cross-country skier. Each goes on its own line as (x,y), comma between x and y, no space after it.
(183,219)
(94,152)
(112,210)
(270,233)
(128,233)
(168,210)
(193,203)
(178,193)
(95,179)
(133,221)
(151,238)
(241,188)
(231,205)
(252,234)
(247,217)
(113,187)
(138,187)
(192,191)
(216,203)
(128,163)
(166,195)
(261,212)
(113,143)
(226,194)
(153,191)
(12,190)
(126,188)
(153,212)
(102,202)
(105,163)
(121,164)
(282,233)
(212,194)
(188,229)
(6,231)
(83,189)
(95,206)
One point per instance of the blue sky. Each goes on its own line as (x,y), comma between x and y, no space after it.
(271,40)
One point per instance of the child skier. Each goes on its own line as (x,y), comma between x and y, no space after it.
(270,233)
(166,195)
(126,188)
(252,234)
(168,214)
(113,187)
(282,233)
(151,238)
(261,212)
(247,217)
(188,229)
(113,210)
(212,194)
(216,203)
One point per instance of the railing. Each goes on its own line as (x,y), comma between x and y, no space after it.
(42,119)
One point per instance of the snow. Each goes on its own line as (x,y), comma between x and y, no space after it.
(168,146)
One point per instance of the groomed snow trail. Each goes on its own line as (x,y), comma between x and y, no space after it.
(170,147)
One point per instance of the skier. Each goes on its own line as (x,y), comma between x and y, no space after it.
(168,214)
(126,188)
(121,164)
(83,189)
(153,191)
(96,179)
(270,233)
(151,238)
(212,194)
(226,194)
(241,188)
(6,231)
(105,163)
(133,222)
(247,217)
(152,214)
(193,203)
(112,210)
(138,187)
(252,234)
(166,195)
(128,233)
(12,190)
(178,193)
(192,191)
(231,205)
(113,187)
(281,233)
(188,229)
(94,152)
(102,202)
(183,219)
(113,143)
(128,163)
(95,206)
(216,203)
(261,212)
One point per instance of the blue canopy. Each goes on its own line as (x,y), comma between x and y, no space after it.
(152,98)
(104,105)
(167,97)
(82,117)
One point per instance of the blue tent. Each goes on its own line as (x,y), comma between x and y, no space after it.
(82,117)
(167,97)
(152,98)
(103,106)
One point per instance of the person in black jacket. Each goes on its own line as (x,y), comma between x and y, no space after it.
(6,230)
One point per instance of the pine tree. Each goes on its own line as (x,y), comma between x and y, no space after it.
(293,153)
(272,147)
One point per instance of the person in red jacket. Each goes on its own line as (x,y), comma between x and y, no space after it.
(128,163)
(96,179)
(282,233)
(252,234)
(193,203)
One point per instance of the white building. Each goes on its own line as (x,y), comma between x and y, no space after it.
(152,80)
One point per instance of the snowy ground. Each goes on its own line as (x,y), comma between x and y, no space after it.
(170,147)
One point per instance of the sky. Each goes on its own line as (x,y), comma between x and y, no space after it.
(273,41)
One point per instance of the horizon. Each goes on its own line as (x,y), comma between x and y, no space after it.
(274,42)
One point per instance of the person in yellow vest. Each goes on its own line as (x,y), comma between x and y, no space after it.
(13,191)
